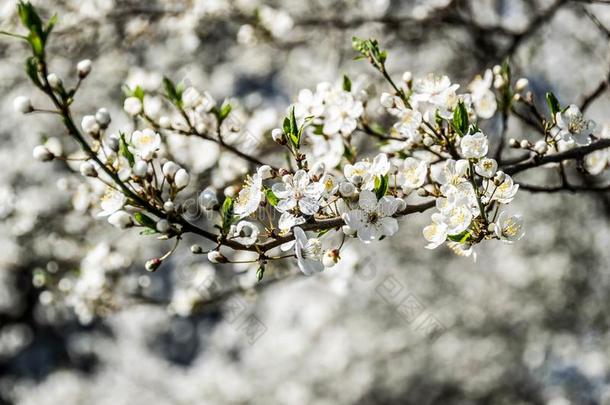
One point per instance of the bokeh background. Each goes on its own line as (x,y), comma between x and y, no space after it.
(82,322)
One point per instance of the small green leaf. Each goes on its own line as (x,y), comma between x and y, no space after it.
(224,111)
(124,149)
(148,231)
(381,186)
(227,214)
(31,68)
(145,220)
(271,197)
(461,237)
(553,103)
(460,119)
(260,272)
(171,92)
(347,83)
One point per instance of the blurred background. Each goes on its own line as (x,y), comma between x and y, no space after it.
(82,322)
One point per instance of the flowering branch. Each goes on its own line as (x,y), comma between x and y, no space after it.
(433,150)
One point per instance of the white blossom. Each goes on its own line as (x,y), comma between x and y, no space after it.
(435,233)
(505,192)
(474,146)
(486,167)
(509,228)
(308,252)
(112,201)
(249,197)
(573,126)
(120,219)
(145,143)
(412,174)
(483,98)
(298,191)
(341,116)
(373,219)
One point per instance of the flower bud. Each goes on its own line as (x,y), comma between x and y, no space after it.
(386,100)
(265,171)
(54,81)
(317,171)
(181,179)
(165,121)
(347,189)
(497,69)
(348,231)
(407,77)
(83,68)
(541,147)
(23,104)
(120,219)
(330,258)
(153,264)
(499,178)
(140,169)
(90,125)
(113,142)
(278,136)
(521,84)
(524,144)
(162,226)
(513,143)
(88,170)
(422,192)
(169,169)
(208,199)
(230,191)
(196,249)
(42,154)
(168,206)
(132,106)
(400,204)
(102,116)
(428,141)
(216,257)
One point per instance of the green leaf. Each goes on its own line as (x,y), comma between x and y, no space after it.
(31,69)
(171,92)
(460,119)
(124,149)
(293,129)
(148,231)
(381,185)
(461,237)
(347,83)
(227,214)
(260,272)
(271,197)
(139,93)
(145,220)
(29,17)
(553,103)
(224,111)
(50,25)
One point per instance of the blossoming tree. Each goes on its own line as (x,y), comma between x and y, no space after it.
(335,168)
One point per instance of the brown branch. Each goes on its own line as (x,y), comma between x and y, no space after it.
(537,161)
